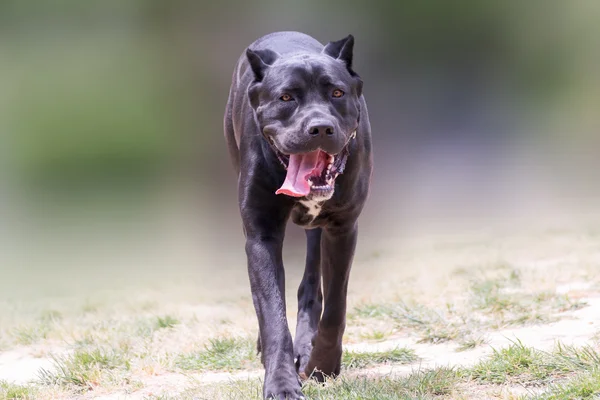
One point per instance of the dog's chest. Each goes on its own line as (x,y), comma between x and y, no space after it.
(306,211)
(313,207)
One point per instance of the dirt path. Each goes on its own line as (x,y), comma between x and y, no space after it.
(22,365)
(574,328)
(431,273)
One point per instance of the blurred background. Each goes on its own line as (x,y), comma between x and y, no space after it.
(113,164)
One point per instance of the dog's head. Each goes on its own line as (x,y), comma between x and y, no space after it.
(307,106)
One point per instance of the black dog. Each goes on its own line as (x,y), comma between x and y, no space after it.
(298,133)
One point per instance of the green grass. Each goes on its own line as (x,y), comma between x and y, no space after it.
(36,329)
(49,316)
(525,365)
(583,386)
(581,358)
(109,335)
(166,322)
(372,310)
(568,373)
(29,334)
(487,294)
(10,391)
(469,343)
(86,369)
(400,355)
(433,326)
(509,304)
(145,327)
(493,303)
(516,364)
(418,385)
(221,354)
(376,335)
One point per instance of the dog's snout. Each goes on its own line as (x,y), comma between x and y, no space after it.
(321,129)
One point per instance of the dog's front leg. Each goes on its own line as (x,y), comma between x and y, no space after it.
(264,242)
(337,251)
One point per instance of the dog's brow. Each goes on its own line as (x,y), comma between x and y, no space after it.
(291,85)
(327,81)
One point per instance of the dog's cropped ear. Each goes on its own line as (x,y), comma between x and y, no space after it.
(342,50)
(260,60)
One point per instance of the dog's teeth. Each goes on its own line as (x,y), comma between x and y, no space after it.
(310,183)
(329,167)
(331,159)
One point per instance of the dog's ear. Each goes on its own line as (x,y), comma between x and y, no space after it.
(260,60)
(342,50)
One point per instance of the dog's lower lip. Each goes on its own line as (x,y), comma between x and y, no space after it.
(328,178)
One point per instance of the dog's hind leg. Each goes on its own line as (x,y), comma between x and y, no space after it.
(310,301)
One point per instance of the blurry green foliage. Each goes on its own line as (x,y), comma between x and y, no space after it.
(85,116)
(96,91)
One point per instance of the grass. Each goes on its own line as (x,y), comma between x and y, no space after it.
(113,340)
(516,364)
(487,294)
(166,322)
(376,335)
(469,343)
(568,373)
(399,355)
(582,358)
(420,384)
(30,334)
(221,354)
(86,369)
(584,386)
(525,365)
(432,326)
(417,385)
(49,316)
(505,300)
(36,329)
(493,303)
(9,391)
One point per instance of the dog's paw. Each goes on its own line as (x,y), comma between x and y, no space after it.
(301,358)
(324,363)
(289,394)
(282,385)
(286,396)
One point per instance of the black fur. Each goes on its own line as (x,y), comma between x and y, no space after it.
(260,128)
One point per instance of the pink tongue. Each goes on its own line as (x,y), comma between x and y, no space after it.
(299,168)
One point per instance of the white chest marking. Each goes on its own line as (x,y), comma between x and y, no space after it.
(314,207)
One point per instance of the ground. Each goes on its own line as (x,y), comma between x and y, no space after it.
(510,313)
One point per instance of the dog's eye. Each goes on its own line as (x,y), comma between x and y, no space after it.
(286,97)
(337,93)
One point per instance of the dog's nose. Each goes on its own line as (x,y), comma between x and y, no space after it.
(321,129)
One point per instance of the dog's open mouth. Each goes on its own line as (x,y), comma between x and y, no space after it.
(311,173)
